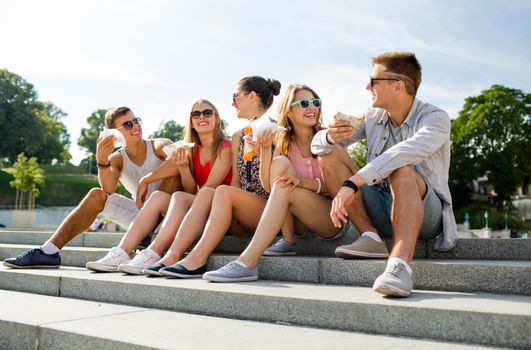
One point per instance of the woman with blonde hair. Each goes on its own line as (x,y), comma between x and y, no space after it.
(207,164)
(236,208)
(297,187)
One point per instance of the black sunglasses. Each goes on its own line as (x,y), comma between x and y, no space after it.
(373,79)
(236,94)
(206,112)
(128,125)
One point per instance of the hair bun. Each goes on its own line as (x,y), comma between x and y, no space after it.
(274,85)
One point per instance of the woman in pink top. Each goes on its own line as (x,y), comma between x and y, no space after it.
(296,185)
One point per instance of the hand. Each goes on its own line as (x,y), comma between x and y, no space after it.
(341,202)
(266,139)
(340,130)
(104,148)
(141,193)
(180,158)
(253,144)
(287,180)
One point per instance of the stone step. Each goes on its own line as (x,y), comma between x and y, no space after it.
(482,249)
(476,318)
(497,276)
(64,323)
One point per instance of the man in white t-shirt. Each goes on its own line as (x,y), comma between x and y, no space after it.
(128,165)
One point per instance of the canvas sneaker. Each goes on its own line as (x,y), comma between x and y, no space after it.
(142,260)
(110,262)
(395,281)
(154,270)
(363,247)
(280,247)
(34,258)
(232,272)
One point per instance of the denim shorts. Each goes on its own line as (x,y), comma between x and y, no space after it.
(378,201)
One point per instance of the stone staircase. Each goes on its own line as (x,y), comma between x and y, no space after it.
(476,296)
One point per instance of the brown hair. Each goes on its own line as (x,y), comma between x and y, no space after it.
(191,134)
(403,65)
(113,113)
(283,138)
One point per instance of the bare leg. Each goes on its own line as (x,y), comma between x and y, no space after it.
(407,211)
(179,205)
(228,203)
(309,207)
(336,167)
(192,226)
(80,219)
(145,221)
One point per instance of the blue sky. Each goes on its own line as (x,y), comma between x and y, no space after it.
(159,56)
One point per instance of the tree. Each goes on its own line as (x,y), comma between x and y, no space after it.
(490,137)
(170,130)
(29,125)
(359,153)
(28,177)
(89,136)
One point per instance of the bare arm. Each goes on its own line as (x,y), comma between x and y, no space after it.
(108,176)
(220,169)
(265,141)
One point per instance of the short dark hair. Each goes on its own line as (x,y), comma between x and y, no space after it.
(404,64)
(265,89)
(114,113)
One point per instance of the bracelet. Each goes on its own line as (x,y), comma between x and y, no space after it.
(350,184)
(318,185)
(103,165)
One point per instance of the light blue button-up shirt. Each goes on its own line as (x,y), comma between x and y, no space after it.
(425,146)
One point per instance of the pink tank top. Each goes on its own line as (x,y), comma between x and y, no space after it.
(306,168)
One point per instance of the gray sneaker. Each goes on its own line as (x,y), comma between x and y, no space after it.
(280,248)
(363,247)
(394,282)
(232,272)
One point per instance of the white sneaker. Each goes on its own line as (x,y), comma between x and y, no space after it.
(110,262)
(145,258)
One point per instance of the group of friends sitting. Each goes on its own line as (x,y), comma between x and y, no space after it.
(288,181)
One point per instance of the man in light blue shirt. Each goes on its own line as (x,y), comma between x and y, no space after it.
(403,190)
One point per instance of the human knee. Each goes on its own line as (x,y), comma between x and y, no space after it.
(96,195)
(401,175)
(223,193)
(331,160)
(280,164)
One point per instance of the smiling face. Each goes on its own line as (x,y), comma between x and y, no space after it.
(304,117)
(383,92)
(132,135)
(203,123)
(241,100)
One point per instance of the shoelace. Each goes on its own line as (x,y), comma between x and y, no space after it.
(396,269)
(29,252)
(140,260)
(112,255)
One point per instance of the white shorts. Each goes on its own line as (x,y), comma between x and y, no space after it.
(120,209)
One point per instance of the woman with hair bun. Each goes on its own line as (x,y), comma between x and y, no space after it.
(236,208)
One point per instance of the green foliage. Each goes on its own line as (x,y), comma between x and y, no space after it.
(29,125)
(28,176)
(490,137)
(170,130)
(358,152)
(496,218)
(89,136)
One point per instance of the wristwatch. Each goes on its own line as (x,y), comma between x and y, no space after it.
(350,184)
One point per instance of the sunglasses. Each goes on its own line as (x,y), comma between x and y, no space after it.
(305,104)
(128,125)
(236,94)
(206,112)
(373,79)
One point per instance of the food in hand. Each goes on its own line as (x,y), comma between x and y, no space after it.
(355,121)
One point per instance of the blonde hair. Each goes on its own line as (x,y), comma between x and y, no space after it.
(283,139)
(191,134)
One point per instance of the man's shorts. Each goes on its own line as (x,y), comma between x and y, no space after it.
(120,209)
(379,200)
